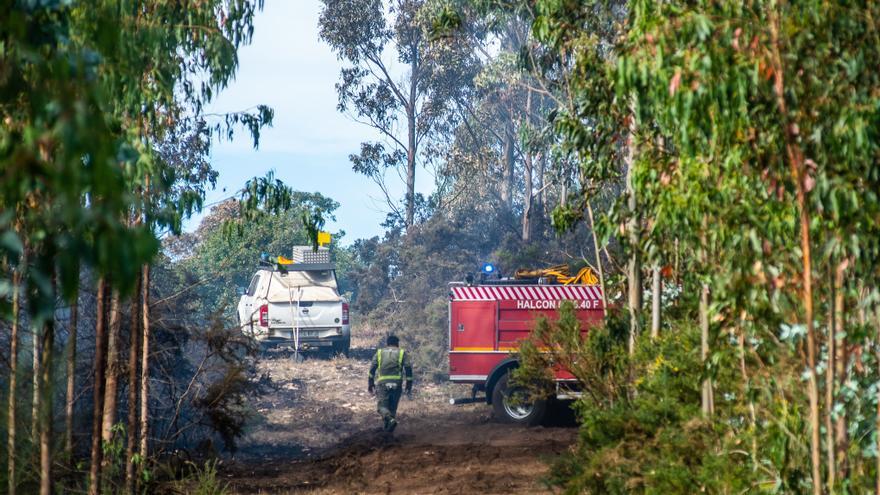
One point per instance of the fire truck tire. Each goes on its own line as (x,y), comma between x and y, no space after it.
(507,409)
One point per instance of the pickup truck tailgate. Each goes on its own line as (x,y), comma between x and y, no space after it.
(308,314)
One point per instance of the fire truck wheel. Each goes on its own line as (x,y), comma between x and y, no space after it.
(510,404)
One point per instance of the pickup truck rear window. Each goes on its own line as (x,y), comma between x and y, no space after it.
(252,289)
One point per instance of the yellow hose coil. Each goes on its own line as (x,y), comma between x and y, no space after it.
(560,272)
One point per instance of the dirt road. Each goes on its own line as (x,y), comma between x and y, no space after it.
(319,433)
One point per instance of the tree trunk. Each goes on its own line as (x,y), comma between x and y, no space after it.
(37,393)
(877,418)
(634,264)
(829,398)
(507,166)
(540,201)
(812,389)
(46,407)
(145,365)
(527,200)
(71,380)
(411,170)
(412,141)
(133,355)
(656,284)
(598,255)
(795,159)
(13,375)
(527,173)
(98,393)
(841,360)
(708,395)
(747,385)
(111,379)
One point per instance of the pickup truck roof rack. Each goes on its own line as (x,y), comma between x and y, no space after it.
(297,267)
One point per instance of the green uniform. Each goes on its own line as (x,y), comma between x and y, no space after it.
(390,367)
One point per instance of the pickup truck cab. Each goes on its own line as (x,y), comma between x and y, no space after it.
(297,305)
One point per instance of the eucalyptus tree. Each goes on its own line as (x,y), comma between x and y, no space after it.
(754,158)
(769,135)
(86,89)
(397,81)
(167,62)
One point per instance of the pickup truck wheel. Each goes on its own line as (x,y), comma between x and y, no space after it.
(511,404)
(342,347)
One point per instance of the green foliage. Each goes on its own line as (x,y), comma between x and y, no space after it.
(729,111)
(201,480)
(224,251)
(410,114)
(642,435)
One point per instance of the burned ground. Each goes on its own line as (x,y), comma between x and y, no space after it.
(317,431)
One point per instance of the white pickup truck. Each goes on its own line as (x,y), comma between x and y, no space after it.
(298,305)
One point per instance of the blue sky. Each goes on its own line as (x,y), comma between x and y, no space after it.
(288,68)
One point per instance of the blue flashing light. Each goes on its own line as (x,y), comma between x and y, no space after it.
(488,268)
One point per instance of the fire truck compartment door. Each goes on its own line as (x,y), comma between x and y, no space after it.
(473,325)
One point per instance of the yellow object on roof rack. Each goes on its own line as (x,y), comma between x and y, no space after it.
(561,273)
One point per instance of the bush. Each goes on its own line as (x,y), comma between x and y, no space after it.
(641,427)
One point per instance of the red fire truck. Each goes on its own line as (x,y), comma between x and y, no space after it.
(487,320)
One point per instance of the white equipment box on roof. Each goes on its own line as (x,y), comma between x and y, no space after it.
(305,254)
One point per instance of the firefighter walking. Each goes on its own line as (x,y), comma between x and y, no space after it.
(390,368)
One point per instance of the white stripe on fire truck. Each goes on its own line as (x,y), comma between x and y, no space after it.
(533,293)
(569,292)
(527,292)
(467,377)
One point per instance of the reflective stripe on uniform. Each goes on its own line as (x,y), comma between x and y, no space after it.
(379,367)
